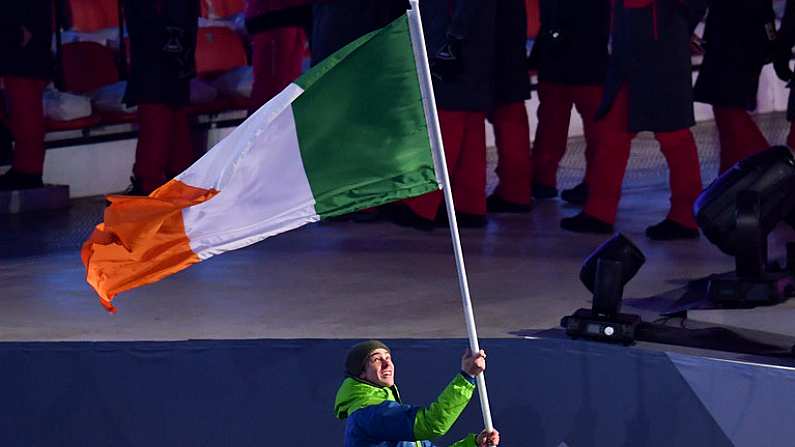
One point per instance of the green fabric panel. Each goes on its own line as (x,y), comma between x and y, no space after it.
(318,71)
(437,418)
(361,126)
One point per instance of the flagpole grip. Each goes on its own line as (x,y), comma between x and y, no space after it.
(440,164)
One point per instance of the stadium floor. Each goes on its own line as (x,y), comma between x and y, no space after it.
(354,280)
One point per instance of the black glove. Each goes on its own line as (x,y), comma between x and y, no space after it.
(446,63)
(781,57)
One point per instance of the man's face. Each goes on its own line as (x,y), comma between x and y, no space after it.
(379,369)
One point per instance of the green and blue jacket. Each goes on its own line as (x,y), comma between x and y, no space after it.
(375,416)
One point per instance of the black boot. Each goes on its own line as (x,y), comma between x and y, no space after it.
(577,195)
(583,223)
(6,145)
(14,180)
(668,230)
(402,215)
(135,188)
(544,192)
(494,204)
(464,220)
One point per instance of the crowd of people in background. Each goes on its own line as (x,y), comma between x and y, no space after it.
(624,65)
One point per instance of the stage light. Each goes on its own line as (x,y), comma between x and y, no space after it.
(618,248)
(605,273)
(737,212)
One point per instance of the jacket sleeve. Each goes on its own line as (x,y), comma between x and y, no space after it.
(465,13)
(436,419)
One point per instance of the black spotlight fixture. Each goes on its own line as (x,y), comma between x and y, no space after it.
(605,273)
(737,212)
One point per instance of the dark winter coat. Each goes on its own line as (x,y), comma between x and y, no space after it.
(651,56)
(512,78)
(162,48)
(473,21)
(263,15)
(738,43)
(337,23)
(571,47)
(34,60)
(786,37)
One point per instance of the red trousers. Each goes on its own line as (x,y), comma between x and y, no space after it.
(512,135)
(738,134)
(277,56)
(552,134)
(26,122)
(464,138)
(164,144)
(610,163)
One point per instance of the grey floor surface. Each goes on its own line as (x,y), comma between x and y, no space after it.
(352,280)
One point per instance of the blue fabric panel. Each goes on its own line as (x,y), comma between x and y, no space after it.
(389,421)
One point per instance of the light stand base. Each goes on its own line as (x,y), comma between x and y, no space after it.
(732,291)
(617,328)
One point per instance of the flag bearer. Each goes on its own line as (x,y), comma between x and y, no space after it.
(374,415)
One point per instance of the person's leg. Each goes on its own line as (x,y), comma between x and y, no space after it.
(452,125)
(26,121)
(512,136)
(552,133)
(155,128)
(180,155)
(276,57)
(738,134)
(468,176)
(586,100)
(610,157)
(679,149)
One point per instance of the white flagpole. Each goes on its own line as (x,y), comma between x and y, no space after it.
(429,103)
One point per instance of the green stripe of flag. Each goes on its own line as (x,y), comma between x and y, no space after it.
(361,126)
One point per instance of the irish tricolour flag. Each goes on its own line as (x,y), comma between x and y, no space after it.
(349,134)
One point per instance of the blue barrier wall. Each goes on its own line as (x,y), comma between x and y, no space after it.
(544,392)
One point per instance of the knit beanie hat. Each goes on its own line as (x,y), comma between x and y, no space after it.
(357,356)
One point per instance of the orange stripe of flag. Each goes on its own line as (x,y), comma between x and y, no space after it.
(142,240)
